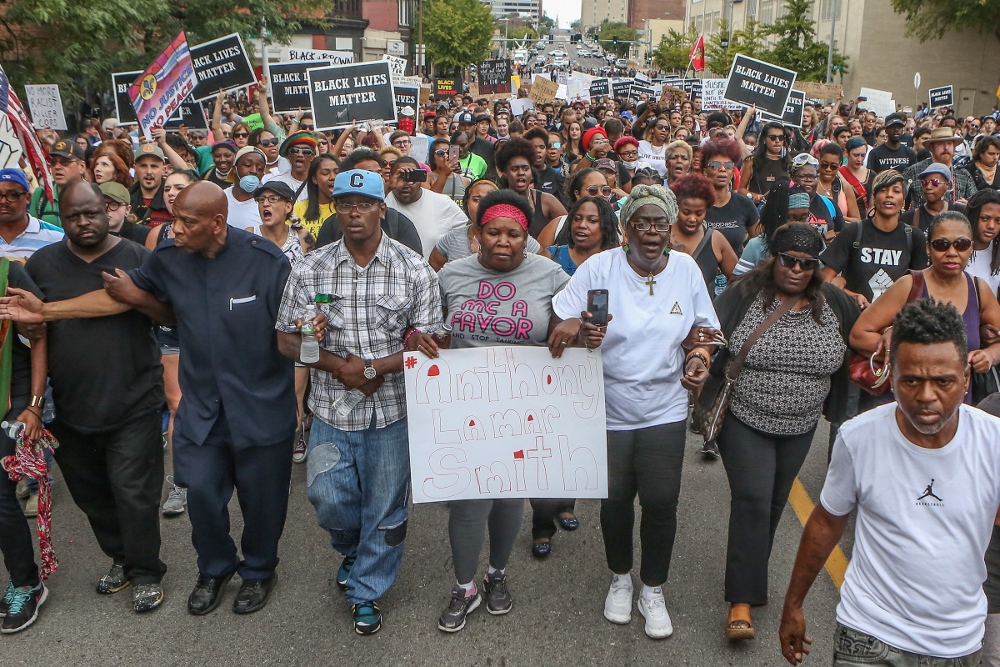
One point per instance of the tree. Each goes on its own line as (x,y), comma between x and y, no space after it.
(931,19)
(79,43)
(796,47)
(674,50)
(457,32)
(547,24)
(575,26)
(749,41)
(616,36)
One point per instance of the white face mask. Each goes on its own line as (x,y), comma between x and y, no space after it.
(631,165)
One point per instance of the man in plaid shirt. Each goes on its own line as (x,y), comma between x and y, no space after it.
(372,290)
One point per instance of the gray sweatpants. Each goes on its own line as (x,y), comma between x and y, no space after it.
(467,522)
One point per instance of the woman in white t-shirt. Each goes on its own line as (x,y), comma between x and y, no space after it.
(983,212)
(658,299)
(653,147)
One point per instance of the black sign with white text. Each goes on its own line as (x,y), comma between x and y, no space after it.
(793,110)
(191,114)
(344,93)
(753,81)
(494,77)
(221,64)
(621,88)
(124,111)
(290,86)
(599,88)
(407,96)
(942,97)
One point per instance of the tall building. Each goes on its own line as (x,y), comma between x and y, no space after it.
(641,10)
(595,12)
(880,54)
(529,9)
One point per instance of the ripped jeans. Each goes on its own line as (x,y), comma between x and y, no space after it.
(359,481)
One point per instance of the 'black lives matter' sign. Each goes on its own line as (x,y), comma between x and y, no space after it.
(793,110)
(407,96)
(753,81)
(600,88)
(124,110)
(621,88)
(221,64)
(494,77)
(190,114)
(344,93)
(942,97)
(290,86)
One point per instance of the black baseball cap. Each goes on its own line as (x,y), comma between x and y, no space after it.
(466,118)
(68,150)
(894,119)
(279,188)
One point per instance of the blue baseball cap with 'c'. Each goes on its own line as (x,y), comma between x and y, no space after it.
(15,176)
(359,182)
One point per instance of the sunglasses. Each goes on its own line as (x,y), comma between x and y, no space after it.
(268,142)
(718,164)
(788,261)
(273,199)
(829,165)
(555,144)
(605,190)
(776,137)
(933,182)
(662,127)
(241,135)
(307,128)
(440,153)
(298,150)
(960,244)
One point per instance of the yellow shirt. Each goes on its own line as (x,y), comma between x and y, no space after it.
(325,211)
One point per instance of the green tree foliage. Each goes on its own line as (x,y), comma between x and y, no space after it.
(931,19)
(796,47)
(547,24)
(612,30)
(674,49)
(749,41)
(79,43)
(457,33)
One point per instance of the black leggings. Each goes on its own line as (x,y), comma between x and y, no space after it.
(761,469)
(544,512)
(646,462)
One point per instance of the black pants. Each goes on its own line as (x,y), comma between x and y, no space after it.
(116,478)
(260,476)
(544,512)
(646,462)
(15,534)
(761,469)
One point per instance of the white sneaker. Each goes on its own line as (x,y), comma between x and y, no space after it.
(618,604)
(654,610)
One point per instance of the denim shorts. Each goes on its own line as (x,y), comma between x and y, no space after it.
(857,649)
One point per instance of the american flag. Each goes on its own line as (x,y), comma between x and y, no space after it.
(34,153)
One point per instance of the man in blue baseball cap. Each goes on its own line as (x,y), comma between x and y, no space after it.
(21,234)
(373,290)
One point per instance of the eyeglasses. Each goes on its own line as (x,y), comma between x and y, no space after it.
(776,137)
(11,196)
(806,178)
(363,207)
(241,135)
(932,182)
(298,150)
(268,142)
(598,140)
(112,205)
(718,164)
(788,261)
(605,190)
(627,154)
(960,244)
(271,199)
(643,226)
(307,128)
(401,142)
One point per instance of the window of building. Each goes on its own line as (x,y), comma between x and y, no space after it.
(405,12)
(827,8)
(766,12)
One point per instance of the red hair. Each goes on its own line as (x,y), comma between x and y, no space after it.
(626,141)
(694,186)
(121,171)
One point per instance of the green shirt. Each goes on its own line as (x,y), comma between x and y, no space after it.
(43,209)
(473,166)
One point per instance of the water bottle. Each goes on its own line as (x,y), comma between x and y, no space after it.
(349,400)
(13,429)
(309,350)
(720,284)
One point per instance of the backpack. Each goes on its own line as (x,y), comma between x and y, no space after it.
(907,229)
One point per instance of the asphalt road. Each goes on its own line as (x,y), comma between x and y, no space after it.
(556,620)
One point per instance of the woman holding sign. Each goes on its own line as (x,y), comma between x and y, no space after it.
(660,303)
(517,287)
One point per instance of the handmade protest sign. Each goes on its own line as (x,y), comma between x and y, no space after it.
(10,147)
(600,88)
(506,422)
(753,81)
(942,97)
(543,90)
(821,91)
(344,93)
(45,106)
(317,56)
(672,96)
(793,110)
(494,77)
(290,86)
(446,87)
(221,64)
(396,65)
(879,101)
(120,83)
(158,92)
(712,91)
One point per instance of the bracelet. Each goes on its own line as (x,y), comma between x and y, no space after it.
(37,414)
(697,355)
(37,402)
(587,155)
(406,338)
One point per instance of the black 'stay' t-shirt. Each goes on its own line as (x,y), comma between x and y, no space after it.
(880,260)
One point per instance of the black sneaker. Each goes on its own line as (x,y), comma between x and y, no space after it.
(113,581)
(498,599)
(8,595)
(711,450)
(22,610)
(453,618)
(344,571)
(146,597)
(367,618)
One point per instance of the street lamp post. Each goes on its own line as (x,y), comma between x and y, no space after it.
(829,52)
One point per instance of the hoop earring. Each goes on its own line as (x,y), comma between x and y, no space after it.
(525,253)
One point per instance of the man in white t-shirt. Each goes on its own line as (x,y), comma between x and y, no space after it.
(924,477)
(433,214)
(243,211)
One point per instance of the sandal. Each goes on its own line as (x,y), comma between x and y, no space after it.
(739,626)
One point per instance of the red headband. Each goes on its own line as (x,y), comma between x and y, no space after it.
(504,211)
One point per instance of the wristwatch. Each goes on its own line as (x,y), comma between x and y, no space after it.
(370,371)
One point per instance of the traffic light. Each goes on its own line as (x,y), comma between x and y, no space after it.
(614,40)
(550,37)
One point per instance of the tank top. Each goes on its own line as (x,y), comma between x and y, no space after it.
(766,173)
(971,319)
(538,219)
(560,255)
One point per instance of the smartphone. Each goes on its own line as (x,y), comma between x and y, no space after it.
(415,176)
(597,306)
(453,152)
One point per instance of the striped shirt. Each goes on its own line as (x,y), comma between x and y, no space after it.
(36,236)
(370,310)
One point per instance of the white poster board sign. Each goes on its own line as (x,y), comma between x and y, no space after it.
(397,66)
(879,101)
(712,91)
(45,105)
(10,146)
(316,55)
(506,422)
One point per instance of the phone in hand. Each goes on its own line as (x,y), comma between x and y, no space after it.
(415,176)
(597,306)
(453,153)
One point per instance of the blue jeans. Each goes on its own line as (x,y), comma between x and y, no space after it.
(359,484)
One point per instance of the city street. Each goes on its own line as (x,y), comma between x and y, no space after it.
(556,619)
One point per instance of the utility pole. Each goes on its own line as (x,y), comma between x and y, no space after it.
(265,66)
(829,53)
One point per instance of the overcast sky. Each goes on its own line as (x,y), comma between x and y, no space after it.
(567,10)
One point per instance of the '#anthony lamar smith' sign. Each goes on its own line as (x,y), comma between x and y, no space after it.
(345,93)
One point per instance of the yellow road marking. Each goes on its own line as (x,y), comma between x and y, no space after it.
(836,564)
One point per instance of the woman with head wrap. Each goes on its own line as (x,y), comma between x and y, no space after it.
(777,400)
(658,300)
(521,286)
